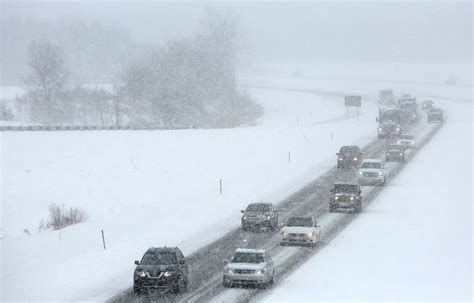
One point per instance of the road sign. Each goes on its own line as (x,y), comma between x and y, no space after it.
(353,101)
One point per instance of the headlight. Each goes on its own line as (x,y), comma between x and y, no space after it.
(352,198)
(412,143)
(401,154)
(284,233)
(340,158)
(311,234)
(336,197)
(141,274)
(245,218)
(167,274)
(380,173)
(388,154)
(380,129)
(398,142)
(397,129)
(228,270)
(355,158)
(361,173)
(260,271)
(268,217)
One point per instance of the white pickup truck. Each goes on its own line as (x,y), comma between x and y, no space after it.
(372,172)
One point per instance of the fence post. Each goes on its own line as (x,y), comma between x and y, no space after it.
(103,238)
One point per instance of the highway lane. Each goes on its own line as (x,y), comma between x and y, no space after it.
(206,264)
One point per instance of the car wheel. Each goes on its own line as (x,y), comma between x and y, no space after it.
(137,290)
(182,284)
(332,209)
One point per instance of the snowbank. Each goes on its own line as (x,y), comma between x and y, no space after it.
(414,242)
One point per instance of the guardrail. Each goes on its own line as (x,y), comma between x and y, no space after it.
(83,127)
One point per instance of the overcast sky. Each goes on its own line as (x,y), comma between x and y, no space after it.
(284,31)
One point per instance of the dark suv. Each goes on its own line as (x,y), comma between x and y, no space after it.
(435,115)
(390,129)
(349,156)
(345,195)
(162,268)
(395,153)
(260,215)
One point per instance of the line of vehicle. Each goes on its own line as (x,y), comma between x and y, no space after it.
(206,263)
(338,223)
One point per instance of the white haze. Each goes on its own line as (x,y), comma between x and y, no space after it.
(285,31)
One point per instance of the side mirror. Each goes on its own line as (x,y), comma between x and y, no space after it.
(137,262)
(225,262)
(337,154)
(316,225)
(242,211)
(332,190)
(359,192)
(376,119)
(182,261)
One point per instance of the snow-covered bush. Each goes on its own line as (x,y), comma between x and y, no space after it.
(59,217)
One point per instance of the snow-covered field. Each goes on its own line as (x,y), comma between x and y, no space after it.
(414,242)
(154,188)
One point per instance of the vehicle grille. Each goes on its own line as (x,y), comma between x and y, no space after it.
(154,274)
(342,199)
(370,174)
(244,271)
(296,235)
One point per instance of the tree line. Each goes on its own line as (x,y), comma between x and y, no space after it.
(190,82)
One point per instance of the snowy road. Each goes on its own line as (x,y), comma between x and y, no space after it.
(206,264)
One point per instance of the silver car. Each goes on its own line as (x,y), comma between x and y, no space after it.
(249,266)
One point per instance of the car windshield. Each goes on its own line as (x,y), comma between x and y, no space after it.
(261,208)
(303,222)
(247,257)
(406,137)
(159,258)
(371,165)
(346,188)
(349,150)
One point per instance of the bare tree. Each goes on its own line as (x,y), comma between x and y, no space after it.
(47,78)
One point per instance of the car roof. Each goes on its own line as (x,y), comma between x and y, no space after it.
(301,217)
(350,147)
(261,203)
(371,161)
(162,249)
(249,250)
(393,146)
(407,135)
